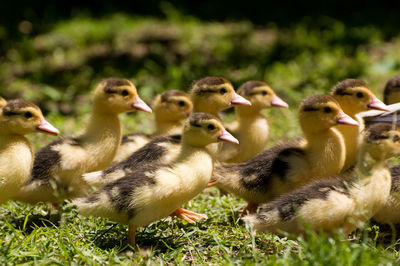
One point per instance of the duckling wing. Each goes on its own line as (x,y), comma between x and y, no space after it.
(58,165)
(159,150)
(258,173)
(127,198)
(323,205)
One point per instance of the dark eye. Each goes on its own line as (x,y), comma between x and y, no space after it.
(359,94)
(181,103)
(211,127)
(264,93)
(327,110)
(124,93)
(28,115)
(396,138)
(223,91)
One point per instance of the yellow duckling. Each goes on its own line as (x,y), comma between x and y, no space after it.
(18,118)
(170,108)
(3,102)
(251,127)
(58,167)
(155,192)
(210,95)
(332,204)
(391,93)
(287,166)
(390,212)
(354,97)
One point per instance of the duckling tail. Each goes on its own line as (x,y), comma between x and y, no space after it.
(94,178)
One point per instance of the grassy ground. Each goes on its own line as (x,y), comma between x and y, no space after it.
(57,69)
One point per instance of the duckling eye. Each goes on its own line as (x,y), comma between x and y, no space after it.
(223,91)
(124,93)
(396,138)
(211,127)
(28,115)
(264,93)
(181,103)
(327,110)
(359,94)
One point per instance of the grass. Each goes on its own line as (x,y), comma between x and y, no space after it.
(30,235)
(57,69)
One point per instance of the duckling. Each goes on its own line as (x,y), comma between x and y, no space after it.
(209,95)
(391,93)
(287,166)
(354,97)
(3,102)
(390,212)
(154,192)
(58,167)
(392,97)
(251,127)
(170,108)
(335,203)
(18,118)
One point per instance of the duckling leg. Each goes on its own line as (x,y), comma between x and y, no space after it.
(131,235)
(188,216)
(212,183)
(250,208)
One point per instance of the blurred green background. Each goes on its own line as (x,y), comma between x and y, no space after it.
(54,52)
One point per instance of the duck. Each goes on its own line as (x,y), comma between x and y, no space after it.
(337,203)
(157,191)
(354,97)
(3,102)
(391,92)
(390,211)
(251,127)
(58,167)
(209,95)
(170,108)
(391,96)
(289,165)
(18,118)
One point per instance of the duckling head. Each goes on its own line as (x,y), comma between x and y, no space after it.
(21,117)
(202,129)
(382,141)
(172,106)
(354,96)
(320,112)
(118,95)
(213,94)
(3,102)
(391,94)
(261,95)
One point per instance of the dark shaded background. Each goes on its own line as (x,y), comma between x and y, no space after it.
(385,14)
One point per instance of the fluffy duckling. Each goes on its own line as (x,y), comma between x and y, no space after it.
(335,203)
(390,212)
(354,97)
(391,93)
(251,127)
(58,167)
(18,118)
(3,102)
(155,192)
(170,108)
(209,95)
(288,166)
